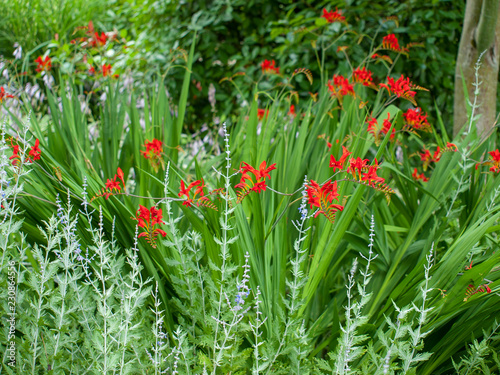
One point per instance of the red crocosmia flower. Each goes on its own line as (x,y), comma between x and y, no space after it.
(452,146)
(291,112)
(358,165)
(417,176)
(154,150)
(328,144)
(94,38)
(343,84)
(322,197)
(437,155)
(373,129)
(15,155)
(43,64)
(188,202)
(120,175)
(4,95)
(361,75)
(156,216)
(495,156)
(263,172)
(401,88)
(371,176)
(391,42)
(426,156)
(198,195)
(186,190)
(245,167)
(386,126)
(471,290)
(261,113)
(35,152)
(106,70)
(339,164)
(372,126)
(247,185)
(415,120)
(92,70)
(333,16)
(340,86)
(113,184)
(148,219)
(494,161)
(144,216)
(259,186)
(269,67)
(199,188)
(90,28)
(99,40)
(244,177)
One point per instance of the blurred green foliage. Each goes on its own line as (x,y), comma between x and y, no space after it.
(32,23)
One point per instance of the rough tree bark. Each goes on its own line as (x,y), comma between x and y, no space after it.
(481,32)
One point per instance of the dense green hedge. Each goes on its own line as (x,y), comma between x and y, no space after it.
(235,36)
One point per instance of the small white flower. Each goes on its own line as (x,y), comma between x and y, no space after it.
(18,52)
(48,80)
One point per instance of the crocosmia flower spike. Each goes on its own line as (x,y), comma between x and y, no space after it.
(333,16)
(378,131)
(198,197)
(364,76)
(493,162)
(391,42)
(322,198)
(261,113)
(43,63)
(417,176)
(269,67)
(339,86)
(112,186)
(4,95)
(471,290)
(367,175)
(106,70)
(153,152)
(148,220)
(402,88)
(416,120)
(247,184)
(339,164)
(35,152)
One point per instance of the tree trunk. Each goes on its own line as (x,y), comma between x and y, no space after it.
(481,32)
